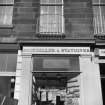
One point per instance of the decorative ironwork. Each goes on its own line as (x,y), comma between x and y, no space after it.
(100,37)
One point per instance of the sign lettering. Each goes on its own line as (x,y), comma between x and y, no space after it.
(57,50)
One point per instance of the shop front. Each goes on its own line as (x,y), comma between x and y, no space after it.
(55,80)
(57,76)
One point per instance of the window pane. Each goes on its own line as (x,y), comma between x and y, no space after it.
(43,1)
(59,1)
(6,1)
(11,62)
(44,9)
(5,88)
(51,19)
(5,83)
(95,1)
(59,10)
(6,15)
(51,9)
(56,63)
(48,1)
(2,62)
(103,18)
(8,62)
(103,1)
(96,10)
(51,1)
(43,24)
(99,19)
(98,1)
(103,10)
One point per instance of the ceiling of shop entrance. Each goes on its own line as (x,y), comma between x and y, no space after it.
(53,79)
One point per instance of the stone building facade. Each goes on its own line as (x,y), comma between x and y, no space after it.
(52,51)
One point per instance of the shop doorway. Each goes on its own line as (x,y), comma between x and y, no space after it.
(55,80)
(55,88)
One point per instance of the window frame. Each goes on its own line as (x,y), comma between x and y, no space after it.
(55,4)
(98,17)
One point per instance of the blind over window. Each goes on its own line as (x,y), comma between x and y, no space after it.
(51,17)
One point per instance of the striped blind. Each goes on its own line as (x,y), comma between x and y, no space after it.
(6,12)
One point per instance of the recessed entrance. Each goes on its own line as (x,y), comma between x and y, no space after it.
(55,88)
(55,80)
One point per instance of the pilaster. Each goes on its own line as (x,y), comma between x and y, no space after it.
(90,87)
(26,81)
(18,75)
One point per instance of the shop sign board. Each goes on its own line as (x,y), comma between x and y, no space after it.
(57,50)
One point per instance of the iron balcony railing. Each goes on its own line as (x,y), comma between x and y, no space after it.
(50,28)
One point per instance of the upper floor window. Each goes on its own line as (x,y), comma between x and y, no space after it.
(99,16)
(6,13)
(51,17)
